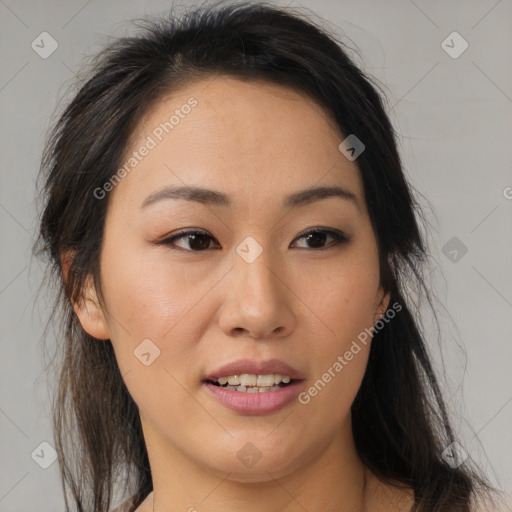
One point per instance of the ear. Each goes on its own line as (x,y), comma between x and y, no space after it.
(381,304)
(87,309)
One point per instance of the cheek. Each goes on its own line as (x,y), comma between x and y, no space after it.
(144,297)
(344,300)
(327,400)
(153,337)
(150,297)
(338,361)
(343,297)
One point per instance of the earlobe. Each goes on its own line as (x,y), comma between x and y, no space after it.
(87,309)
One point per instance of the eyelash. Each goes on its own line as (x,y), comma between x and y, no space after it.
(339,237)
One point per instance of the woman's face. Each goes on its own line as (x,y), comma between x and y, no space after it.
(252,285)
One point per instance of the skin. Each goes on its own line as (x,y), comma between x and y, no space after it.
(257,142)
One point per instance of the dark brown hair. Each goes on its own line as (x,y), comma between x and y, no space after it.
(400,422)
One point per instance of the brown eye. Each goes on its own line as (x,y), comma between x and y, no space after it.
(197,241)
(318,237)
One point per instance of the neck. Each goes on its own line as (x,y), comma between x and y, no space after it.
(332,479)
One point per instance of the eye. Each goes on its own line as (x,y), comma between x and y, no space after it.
(198,241)
(317,237)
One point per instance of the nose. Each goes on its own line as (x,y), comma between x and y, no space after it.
(258,300)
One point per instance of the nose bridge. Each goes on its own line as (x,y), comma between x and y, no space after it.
(256,301)
(255,275)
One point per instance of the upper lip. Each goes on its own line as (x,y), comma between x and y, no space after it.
(255,367)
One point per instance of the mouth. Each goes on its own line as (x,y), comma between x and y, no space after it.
(252,383)
(250,387)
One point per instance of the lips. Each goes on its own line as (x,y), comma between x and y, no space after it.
(251,366)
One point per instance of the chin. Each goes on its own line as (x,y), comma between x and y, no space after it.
(260,473)
(254,461)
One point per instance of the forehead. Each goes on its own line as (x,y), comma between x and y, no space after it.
(245,138)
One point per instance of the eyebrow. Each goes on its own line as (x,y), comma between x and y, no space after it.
(217,198)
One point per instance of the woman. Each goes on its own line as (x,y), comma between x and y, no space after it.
(278,364)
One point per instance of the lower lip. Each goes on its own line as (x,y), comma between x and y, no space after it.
(256,403)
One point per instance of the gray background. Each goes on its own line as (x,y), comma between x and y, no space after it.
(453,115)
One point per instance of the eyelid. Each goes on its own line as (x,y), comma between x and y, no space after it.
(340,237)
(336,233)
(182,233)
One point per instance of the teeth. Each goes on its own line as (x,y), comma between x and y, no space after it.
(233,380)
(248,380)
(250,383)
(265,380)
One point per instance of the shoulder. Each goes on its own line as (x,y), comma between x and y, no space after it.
(126,506)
